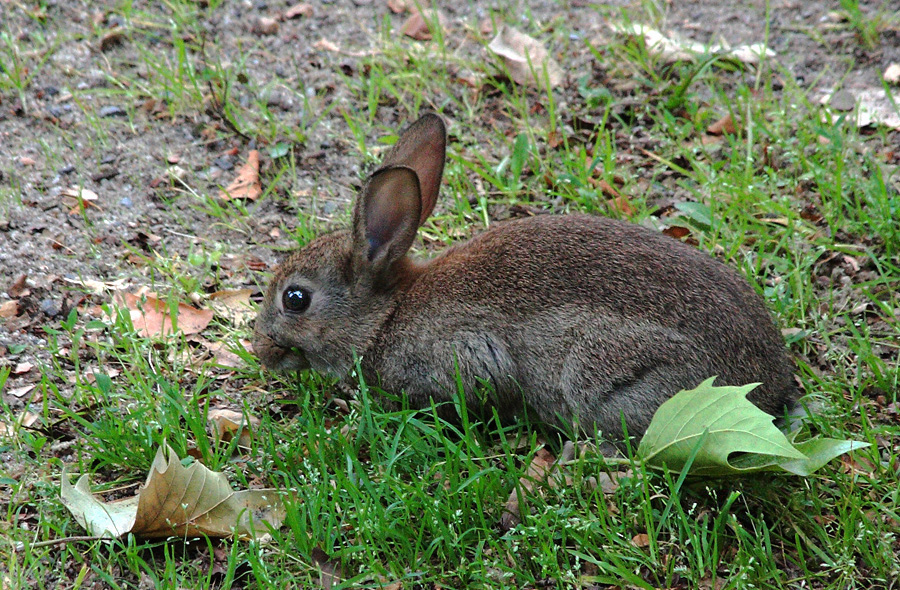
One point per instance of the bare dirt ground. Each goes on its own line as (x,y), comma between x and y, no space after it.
(74,124)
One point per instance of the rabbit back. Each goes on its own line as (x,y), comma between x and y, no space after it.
(578,319)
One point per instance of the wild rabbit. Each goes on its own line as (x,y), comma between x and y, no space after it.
(581,319)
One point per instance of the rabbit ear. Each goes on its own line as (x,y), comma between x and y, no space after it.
(386,217)
(422,147)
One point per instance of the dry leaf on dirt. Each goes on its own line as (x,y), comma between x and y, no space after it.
(151,316)
(96,287)
(641,540)
(418,25)
(176,501)
(78,198)
(246,185)
(329,569)
(326,45)
(398,6)
(24,419)
(873,106)
(224,356)
(724,126)
(21,391)
(229,423)
(233,305)
(539,470)
(525,58)
(673,48)
(9,309)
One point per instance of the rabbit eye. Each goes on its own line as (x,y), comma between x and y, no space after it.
(296,299)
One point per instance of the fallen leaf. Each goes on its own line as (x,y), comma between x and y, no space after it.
(176,501)
(873,106)
(538,471)
(151,316)
(673,48)
(19,287)
(246,185)
(302,9)
(725,125)
(22,368)
(418,25)
(78,198)
(9,309)
(329,569)
(223,355)
(677,231)
(398,6)
(327,45)
(233,305)
(641,540)
(96,287)
(21,391)
(228,423)
(622,205)
(525,58)
(25,419)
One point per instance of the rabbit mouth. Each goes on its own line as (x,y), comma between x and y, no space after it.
(293,359)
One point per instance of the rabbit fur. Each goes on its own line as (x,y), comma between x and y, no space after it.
(578,319)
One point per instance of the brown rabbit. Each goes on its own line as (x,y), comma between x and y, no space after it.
(581,319)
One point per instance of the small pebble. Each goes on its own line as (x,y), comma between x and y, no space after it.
(125,202)
(223,163)
(112,111)
(50,307)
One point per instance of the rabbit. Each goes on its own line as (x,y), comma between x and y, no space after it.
(578,320)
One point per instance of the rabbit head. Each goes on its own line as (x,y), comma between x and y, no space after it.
(329,300)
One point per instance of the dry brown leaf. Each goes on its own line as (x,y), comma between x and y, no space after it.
(418,25)
(327,45)
(302,9)
(526,59)
(19,287)
(22,368)
(725,125)
(398,6)
(151,317)
(78,198)
(673,48)
(234,305)
(21,391)
(246,185)
(230,423)
(9,309)
(176,501)
(24,419)
(224,356)
(329,569)
(538,471)
(622,205)
(641,540)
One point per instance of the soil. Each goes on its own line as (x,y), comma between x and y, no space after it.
(81,122)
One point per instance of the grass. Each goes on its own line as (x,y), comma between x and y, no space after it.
(800,204)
